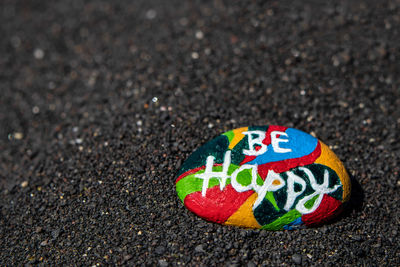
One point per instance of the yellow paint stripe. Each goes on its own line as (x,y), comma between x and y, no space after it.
(244,216)
(328,158)
(238,136)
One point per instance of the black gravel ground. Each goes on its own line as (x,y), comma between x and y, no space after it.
(101,101)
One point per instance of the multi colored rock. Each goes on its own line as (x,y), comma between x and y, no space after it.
(269,177)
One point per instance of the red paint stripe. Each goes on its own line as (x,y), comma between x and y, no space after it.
(271,128)
(266,141)
(193,171)
(216,206)
(247,159)
(330,207)
(287,164)
(189,172)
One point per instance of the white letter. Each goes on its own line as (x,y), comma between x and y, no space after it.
(291,194)
(276,140)
(235,184)
(209,173)
(320,190)
(257,141)
(272,183)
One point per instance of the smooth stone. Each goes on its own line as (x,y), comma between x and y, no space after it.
(269,177)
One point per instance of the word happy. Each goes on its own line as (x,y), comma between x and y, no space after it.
(273,182)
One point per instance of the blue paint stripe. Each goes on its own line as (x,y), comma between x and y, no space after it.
(301,144)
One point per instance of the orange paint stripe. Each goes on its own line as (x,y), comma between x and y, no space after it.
(244,216)
(238,136)
(329,159)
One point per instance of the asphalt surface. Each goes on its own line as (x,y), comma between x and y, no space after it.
(101,101)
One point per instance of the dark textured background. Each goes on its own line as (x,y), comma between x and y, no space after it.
(101,101)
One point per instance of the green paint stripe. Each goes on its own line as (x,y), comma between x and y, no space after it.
(244,177)
(282,221)
(310,202)
(271,198)
(191,184)
(230,135)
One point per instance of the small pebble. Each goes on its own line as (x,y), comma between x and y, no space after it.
(195,55)
(199,35)
(38,53)
(151,14)
(160,250)
(35,110)
(16,136)
(297,258)
(162,263)
(199,248)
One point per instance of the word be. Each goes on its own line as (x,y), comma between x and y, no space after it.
(275,140)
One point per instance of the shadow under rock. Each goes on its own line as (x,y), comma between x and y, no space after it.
(355,204)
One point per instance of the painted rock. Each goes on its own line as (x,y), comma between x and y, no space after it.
(269,177)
